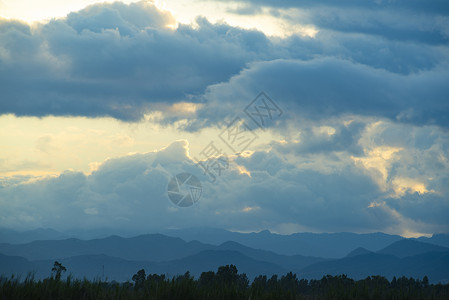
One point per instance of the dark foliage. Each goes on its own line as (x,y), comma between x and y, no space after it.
(226,283)
(57,270)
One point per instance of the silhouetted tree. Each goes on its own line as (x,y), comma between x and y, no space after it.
(227,274)
(207,279)
(156,278)
(139,279)
(57,269)
(272,283)
(425,281)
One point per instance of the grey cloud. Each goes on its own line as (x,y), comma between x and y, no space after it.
(116,60)
(342,138)
(126,192)
(128,19)
(427,208)
(390,24)
(413,21)
(119,60)
(322,88)
(130,192)
(432,6)
(335,201)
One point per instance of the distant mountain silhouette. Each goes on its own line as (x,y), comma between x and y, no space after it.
(156,253)
(359,266)
(288,262)
(358,251)
(435,265)
(11,236)
(92,266)
(405,247)
(210,260)
(16,237)
(14,265)
(153,247)
(406,257)
(331,245)
(83,266)
(150,247)
(436,239)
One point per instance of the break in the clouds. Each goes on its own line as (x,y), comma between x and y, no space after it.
(399,20)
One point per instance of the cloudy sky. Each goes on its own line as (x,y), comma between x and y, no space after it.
(101,104)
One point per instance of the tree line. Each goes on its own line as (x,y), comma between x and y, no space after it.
(225,283)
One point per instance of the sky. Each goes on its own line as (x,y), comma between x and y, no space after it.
(318,116)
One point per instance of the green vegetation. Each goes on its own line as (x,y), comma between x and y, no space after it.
(226,283)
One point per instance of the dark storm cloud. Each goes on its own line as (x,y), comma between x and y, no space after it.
(116,60)
(121,61)
(431,6)
(418,21)
(321,88)
(374,51)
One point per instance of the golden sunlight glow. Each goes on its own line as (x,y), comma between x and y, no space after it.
(413,234)
(173,26)
(303,30)
(377,162)
(403,185)
(162,5)
(249,208)
(242,170)
(43,10)
(183,108)
(404,226)
(376,204)
(347,123)
(47,146)
(214,11)
(246,153)
(324,130)
(34,173)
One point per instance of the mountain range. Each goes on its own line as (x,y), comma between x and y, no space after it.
(330,245)
(264,253)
